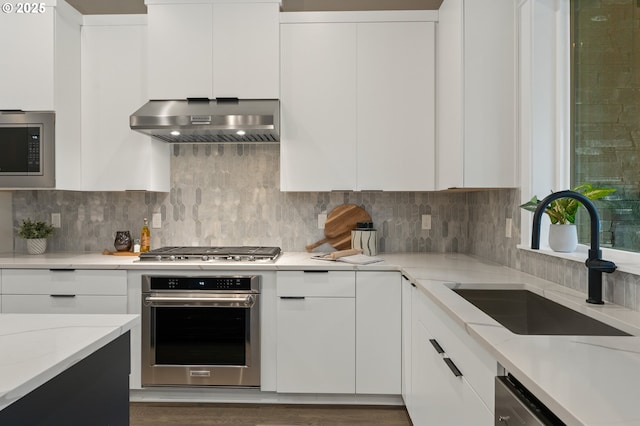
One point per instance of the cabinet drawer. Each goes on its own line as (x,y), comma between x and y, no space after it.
(476,364)
(316,284)
(64,281)
(63,304)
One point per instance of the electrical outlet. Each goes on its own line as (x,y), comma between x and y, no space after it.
(55,220)
(322,218)
(156,221)
(426,221)
(507,229)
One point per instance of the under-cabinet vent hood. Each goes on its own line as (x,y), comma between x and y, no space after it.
(202,120)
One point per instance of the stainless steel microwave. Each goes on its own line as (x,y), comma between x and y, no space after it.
(27,149)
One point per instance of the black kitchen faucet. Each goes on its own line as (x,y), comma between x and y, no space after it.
(594,261)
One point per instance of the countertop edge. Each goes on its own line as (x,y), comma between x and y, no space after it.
(102,327)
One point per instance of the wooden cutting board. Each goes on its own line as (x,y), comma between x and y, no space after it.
(343,219)
(120,253)
(340,222)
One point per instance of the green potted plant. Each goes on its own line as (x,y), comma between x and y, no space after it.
(563,236)
(36,234)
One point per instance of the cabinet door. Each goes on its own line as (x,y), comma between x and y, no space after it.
(438,396)
(316,349)
(477,113)
(180,50)
(406,342)
(396,106)
(246,50)
(378,333)
(318,107)
(436,392)
(27,60)
(114,157)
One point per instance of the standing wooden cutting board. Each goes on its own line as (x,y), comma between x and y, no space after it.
(340,222)
(343,219)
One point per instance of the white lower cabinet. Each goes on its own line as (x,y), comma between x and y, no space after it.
(316,332)
(339,332)
(64,291)
(443,386)
(406,340)
(378,333)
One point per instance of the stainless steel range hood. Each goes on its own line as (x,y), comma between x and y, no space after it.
(202,120)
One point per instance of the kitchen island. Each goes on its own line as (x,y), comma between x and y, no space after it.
(65,369)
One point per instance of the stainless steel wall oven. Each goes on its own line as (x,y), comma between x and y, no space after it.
(201,331)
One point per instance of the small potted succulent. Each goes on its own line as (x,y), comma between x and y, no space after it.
(36,234)
(563,236)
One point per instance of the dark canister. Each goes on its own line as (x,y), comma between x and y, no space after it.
(123,241)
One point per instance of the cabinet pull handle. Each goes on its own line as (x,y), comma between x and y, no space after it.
(456,372)
(436,345)
(313,271)
(413,285)
(62,270)
(292,297)
(63,295)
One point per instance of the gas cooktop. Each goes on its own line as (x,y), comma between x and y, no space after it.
(207,254)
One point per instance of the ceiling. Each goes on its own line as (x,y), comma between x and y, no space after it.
(116,7)
(111,7)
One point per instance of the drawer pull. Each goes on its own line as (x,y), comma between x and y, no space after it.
(63,295)
(456,372)
(292,297)
(313,271)
(62,270)
(436,345)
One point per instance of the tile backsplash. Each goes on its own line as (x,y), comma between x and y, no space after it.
(228,194)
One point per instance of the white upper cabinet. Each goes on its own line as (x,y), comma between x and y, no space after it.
(213,49)
(358,101)
(180,50)
(318,107)
(27,72)
(476,141)
(40,70)
(396,106)
(246,50)
(114,157)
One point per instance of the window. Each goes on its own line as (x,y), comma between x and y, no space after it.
(606,114)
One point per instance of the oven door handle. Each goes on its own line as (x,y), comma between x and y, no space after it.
(214,301)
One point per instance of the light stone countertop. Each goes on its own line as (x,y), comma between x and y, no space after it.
(586,380)
(37,347)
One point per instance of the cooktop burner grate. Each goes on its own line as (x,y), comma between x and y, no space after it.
(240,253)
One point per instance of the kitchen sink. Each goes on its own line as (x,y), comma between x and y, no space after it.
(524,312)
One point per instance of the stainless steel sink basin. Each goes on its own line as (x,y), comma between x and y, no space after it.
(524,312)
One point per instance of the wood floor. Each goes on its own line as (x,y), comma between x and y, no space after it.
(183,414)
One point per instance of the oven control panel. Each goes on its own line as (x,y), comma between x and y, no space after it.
(235,283)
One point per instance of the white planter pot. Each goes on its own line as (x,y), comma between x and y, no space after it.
(563,238)
(36,245)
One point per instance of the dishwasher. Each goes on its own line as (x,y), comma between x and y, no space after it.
(515,405)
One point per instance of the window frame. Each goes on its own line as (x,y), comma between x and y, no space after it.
(544,117)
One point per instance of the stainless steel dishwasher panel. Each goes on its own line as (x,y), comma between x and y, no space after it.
(516,406)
